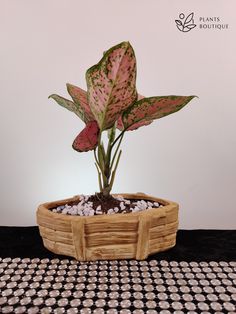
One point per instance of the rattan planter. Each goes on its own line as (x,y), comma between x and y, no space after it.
(119,236)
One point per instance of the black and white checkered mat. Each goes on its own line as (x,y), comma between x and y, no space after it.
(127,286)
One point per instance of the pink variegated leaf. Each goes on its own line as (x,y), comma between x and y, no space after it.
(111,84)
(138,124)
(140,97)
(87,138)
(68,104)
(79,96)
(146,110)
(134,126)
(120,124)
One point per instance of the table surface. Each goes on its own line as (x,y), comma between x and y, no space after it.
(192,245)
(198,275)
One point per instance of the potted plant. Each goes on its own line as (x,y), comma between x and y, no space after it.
(106,226)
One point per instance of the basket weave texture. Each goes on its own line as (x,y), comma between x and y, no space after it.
(108,237)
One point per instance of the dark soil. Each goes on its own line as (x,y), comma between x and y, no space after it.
(107,202)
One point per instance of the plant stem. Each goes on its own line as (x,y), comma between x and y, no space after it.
(114,171)
(99,177)
(105,161)
(117,148)
(118,137)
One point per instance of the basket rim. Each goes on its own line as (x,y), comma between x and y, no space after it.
(43,209)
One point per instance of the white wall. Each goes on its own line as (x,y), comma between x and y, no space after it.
(189,157)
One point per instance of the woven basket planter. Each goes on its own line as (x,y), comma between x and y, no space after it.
(107,237)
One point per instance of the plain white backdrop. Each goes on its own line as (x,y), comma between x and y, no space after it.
(188,157)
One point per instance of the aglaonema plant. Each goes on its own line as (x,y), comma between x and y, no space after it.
(112,103)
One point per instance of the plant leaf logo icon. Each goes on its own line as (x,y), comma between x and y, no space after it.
(185,24)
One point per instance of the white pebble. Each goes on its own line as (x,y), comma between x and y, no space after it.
(142,205)
(143,202)
(64,211)
(120,198)
(110,211)
(73,212)
(136,209)
(80,207)
(91,212)
(86,212)
(122,206)
(99,209)
(85,208)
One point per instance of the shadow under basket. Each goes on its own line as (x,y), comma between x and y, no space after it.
(108,237)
